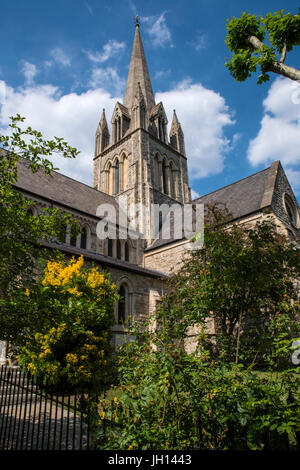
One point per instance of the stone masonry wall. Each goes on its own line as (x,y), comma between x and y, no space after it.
(167,259)
(283,187)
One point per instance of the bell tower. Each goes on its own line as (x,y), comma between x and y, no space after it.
(141,165)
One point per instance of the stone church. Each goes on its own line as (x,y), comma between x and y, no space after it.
(140,163)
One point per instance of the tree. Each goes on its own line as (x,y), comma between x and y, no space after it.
(58,323)
(210,399)
(20,232)
(62,326)
(262,42)
(246,276)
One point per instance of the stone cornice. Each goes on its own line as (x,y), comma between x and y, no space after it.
(128,136)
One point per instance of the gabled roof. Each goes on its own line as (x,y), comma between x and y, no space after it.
(155,110)
(122,108)
(248,195)
(62,190)
(241,198)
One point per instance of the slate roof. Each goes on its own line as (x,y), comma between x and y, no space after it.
(123,108)
(71,193)
(241,198)
(247,195)
(106,260)
(62,190)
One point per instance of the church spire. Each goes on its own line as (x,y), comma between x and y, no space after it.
(138,72)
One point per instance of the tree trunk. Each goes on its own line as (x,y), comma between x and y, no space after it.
(286,71)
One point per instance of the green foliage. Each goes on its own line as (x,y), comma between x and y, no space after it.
(64,330)
(169,399)
(284,30)
(244,275)
(58,324)
(20,232)
(272,36)
(215,397)
(239,29)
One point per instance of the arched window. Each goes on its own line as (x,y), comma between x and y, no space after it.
(159,128)
(125,173)
(173,180)
(117,180)
(119,128)
(157,175)
(30,211)
(110,247)
(97,147)
(104,140)
(165,176)
(122,306)
(64,233)
(118,249)
(160,225)
(126,251)
(73,241)
(83,239)
(290,209)
(109,179)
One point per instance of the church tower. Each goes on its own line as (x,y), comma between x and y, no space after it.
(141,164)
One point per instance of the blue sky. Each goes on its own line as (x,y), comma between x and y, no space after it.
(61,62)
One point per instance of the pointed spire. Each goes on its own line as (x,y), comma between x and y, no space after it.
(176,135)
(102,135)
(175,124)
(103,122)
(138,72)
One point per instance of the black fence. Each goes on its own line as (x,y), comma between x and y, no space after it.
(36,418)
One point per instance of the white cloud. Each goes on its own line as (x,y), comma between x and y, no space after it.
(48,63)
(60,57)
(294,179)
(279,134)
(203,115)
(158,30)
(2,91)
(107,78)
(162,74)
(278,139)
(73,117)
(29,71)
(110,49)
(199,42)
(194,194)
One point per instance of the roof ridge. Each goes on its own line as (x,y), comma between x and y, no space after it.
(76,181)
(235,182)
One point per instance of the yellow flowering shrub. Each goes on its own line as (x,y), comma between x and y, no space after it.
(69,345)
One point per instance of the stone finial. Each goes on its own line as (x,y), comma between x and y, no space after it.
(176,135)
(175,126)
(103,122)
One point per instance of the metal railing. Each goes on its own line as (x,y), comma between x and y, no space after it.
(34,417)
